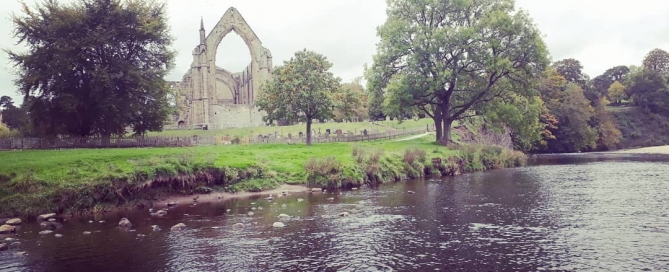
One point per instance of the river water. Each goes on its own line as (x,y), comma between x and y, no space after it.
(599,212)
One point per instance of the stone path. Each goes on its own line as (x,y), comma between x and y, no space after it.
(415,137)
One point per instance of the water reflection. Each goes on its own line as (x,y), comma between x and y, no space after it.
(582,213)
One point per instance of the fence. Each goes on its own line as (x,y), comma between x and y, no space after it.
(160,141)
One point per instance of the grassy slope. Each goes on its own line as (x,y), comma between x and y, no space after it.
(640,129)
(295,129)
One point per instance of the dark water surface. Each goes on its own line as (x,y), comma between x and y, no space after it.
(576,212)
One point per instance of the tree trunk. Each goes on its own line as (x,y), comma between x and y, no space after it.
(447,130)
(437,122)
(309,131)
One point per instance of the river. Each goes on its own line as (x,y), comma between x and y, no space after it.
(603,212)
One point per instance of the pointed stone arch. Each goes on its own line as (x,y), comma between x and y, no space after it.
(200,82)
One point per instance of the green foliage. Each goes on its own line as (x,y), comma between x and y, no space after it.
(5,132)
(657,60)
(521,115)
(609,134)
(616,92)
(301,90)
(648,90)
(94,67)
(640,128)
(571,70)
(453,56)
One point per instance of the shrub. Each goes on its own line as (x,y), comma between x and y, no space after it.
(323,172)
(411,155)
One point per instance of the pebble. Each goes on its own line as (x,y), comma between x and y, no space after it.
(87,232)
(250,213)
(278,225)
(58,235)
(45,232)
(300,200)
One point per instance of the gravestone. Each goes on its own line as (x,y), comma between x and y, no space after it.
(338,132)
(301,135)
(364,132)
(290,136)
(328,132)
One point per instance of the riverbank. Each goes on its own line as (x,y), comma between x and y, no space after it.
(97,180)
(664,149)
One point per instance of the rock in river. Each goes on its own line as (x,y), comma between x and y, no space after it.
(3,246)
(58,235)
(238,226)
(178,227)
(13,222)
(159,213)
(284,216)
(87,232)
(46,216)
(45,232)
(124,223)
(278,225)
(7,229)
(155,228)
(250,213)
(343,214)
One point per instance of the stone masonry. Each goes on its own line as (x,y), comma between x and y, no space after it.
(214,97)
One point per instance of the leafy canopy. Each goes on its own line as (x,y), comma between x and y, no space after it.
(94,67)
(454,56)
(303,89)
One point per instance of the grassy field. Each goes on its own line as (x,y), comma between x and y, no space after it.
(39,181)
(381,126)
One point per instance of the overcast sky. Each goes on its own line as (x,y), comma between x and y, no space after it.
(599,33)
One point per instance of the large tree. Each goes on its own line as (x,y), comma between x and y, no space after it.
(571,70)
(450,57)
(95,67)
(657,60)
(301,90)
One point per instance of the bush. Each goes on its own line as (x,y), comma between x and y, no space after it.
(411,155)
(323,172)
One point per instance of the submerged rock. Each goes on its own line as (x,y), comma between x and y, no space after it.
(20,253)
(45,232)
(13,222)
(238,226)
(58,235)
(15,244)
(124,223)
(9,239)
(300,200)
(159,213)
(52,220)
(50,225)
(354,188)
(284,206)
(178,227)
(250,213)
(278,225)
(7,229)
(46,216)
(284,216)
(171,204)
(330,198)
(343,214)
(3,246)
(411,192)
(87,232)
(155,228)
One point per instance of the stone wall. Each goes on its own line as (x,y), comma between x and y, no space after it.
(226,116)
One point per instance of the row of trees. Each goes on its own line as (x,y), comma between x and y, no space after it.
(96,67)
(452,60)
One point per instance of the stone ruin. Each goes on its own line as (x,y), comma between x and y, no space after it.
(212,97)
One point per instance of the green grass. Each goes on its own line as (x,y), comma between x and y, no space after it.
(296,129)
(37,181)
